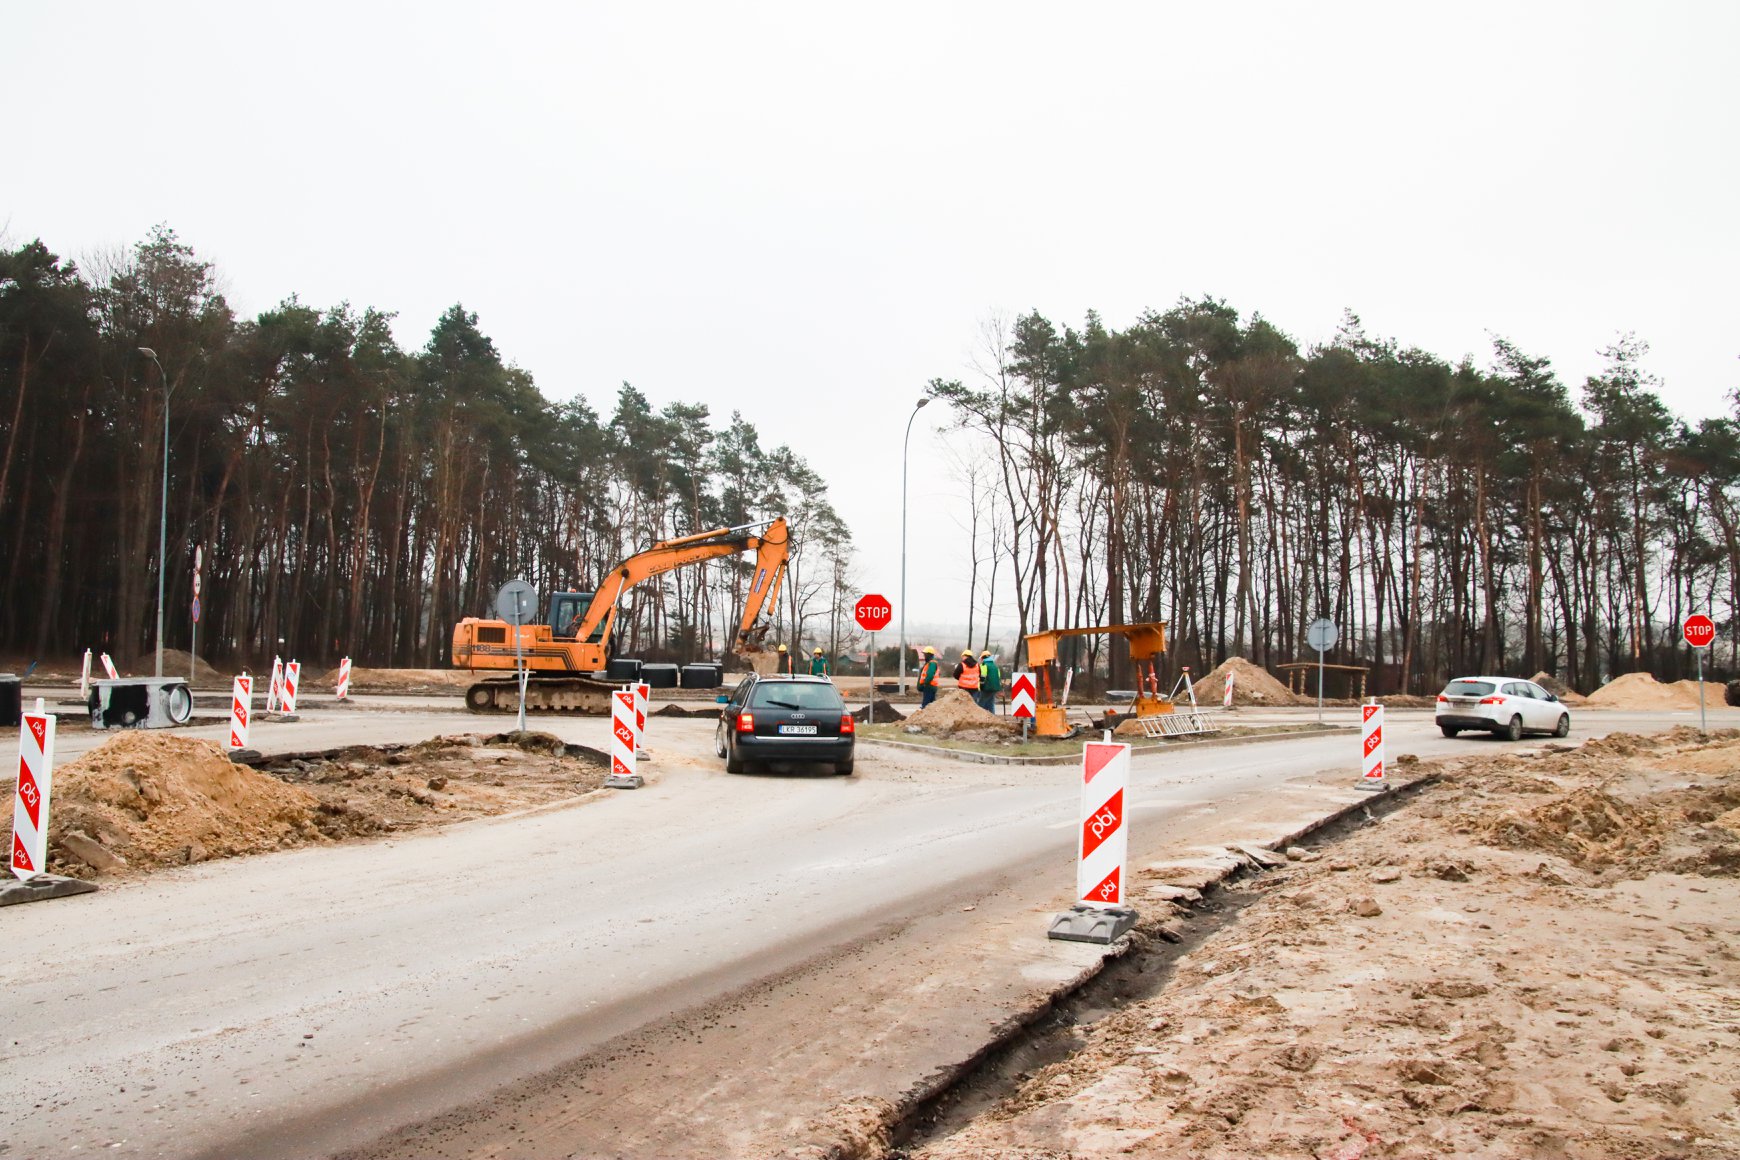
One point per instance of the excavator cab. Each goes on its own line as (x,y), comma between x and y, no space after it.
(566,611)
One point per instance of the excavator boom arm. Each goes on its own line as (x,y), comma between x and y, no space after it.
(770,546)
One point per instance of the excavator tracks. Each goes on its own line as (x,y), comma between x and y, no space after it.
(574,696)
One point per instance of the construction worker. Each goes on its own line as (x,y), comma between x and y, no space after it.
(818,664)
(967,674)
(927,674)
(782,662)
(990,681)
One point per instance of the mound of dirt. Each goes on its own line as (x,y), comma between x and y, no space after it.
(1643,691)
(150,799)
(1251,686)
(143,801)
(1557,688)
(176,662)
(886,714)
(954,713)
(1587,827)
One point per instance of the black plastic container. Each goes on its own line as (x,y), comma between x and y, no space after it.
(659,676)
(11,699)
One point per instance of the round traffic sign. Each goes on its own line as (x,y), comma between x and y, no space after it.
(1322,635)
(873,612)
(517,602)
(196,610)
(1700,630)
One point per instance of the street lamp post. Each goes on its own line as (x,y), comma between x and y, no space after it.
(162,507)
(905,443)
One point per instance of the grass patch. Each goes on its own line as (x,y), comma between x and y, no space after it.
(1051,747)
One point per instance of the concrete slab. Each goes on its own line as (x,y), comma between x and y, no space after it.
(43,886)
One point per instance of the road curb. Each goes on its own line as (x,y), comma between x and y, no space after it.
(1137,751)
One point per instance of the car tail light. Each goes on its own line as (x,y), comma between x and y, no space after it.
(746,722)
(1493,700)
(1442,699)
(847,724)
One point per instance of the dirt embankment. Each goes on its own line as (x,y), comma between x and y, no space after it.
(142,801)
(1535,959)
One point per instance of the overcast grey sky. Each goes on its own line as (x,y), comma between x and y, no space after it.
(806,211)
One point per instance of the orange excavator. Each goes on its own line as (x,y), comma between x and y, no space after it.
(575,642)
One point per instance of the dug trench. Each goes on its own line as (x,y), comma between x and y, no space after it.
(1175,922)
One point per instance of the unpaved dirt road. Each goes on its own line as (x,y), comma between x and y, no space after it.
(713,965)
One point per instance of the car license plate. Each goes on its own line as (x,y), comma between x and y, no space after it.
(805,730)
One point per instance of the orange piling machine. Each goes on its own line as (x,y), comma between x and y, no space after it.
(1147,641)
(569,652)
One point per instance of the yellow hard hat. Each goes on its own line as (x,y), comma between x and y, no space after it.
(966,654)
(986,653)
(818,652)
(929,650)
(782,648)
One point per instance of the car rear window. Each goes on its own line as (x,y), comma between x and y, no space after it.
(796,695)
(1469,689)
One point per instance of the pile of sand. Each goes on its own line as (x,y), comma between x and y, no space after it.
(153,799)
(954,714)
(1643,691)
(1251,686)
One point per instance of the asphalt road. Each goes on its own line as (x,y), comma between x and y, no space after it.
(435,994)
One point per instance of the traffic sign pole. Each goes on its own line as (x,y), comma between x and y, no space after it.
(1321,636)
(193,646)
(1700,632)
(872,612)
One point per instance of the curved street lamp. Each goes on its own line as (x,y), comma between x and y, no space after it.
(162,507)
(905,444)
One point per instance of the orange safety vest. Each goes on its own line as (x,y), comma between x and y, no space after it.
(969,678)
(927,674)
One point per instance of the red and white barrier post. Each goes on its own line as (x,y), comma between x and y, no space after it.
(1226,697)
(1023,695)
(31,796)
(109,667)
(85,677)
(622,747)
(292,678)
(344,679)
(642,692)
(275,687)
(1099,914)
(1372,769)
(241,710)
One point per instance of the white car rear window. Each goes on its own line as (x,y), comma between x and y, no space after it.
(1469,689)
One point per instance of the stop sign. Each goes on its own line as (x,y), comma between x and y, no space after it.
(873,612)
(1700,630)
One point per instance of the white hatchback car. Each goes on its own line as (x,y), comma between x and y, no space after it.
(1501,705)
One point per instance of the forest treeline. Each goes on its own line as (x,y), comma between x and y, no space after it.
(1199,468)
(350,497)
